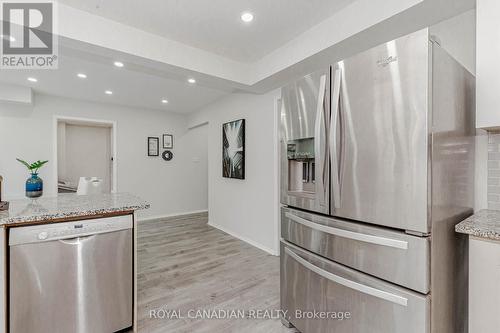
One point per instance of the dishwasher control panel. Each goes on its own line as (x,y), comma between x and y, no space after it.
(68,230)
(77,229)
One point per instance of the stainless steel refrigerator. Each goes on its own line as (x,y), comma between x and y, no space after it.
(377,166)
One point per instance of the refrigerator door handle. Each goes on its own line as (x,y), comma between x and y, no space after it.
(320,150)
(332,138)
(377,240)
(348,283)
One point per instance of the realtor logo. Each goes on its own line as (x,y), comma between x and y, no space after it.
(28,36)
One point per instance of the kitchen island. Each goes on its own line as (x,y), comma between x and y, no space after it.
(483,229)
(74,220)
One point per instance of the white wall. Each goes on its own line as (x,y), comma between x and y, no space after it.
(488,65)
(458,37)
(247,209)
(15,94)
(171,187)
(488,100)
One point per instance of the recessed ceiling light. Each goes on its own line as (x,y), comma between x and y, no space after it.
(108,92)
(9,38)
(81,75)
(247,17)
(164,101)
(191,80)
(32,79)
(118,64)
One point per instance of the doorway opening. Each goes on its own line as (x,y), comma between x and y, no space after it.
(85,151)
(197,141)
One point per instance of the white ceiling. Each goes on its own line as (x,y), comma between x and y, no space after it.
(131,85)
(156,69)
(215,25)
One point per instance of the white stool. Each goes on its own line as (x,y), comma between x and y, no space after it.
(89,185)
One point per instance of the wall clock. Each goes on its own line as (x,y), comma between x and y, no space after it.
(167,155)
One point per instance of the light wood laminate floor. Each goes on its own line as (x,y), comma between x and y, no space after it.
(184,264)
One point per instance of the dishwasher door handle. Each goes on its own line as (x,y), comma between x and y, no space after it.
(76,240)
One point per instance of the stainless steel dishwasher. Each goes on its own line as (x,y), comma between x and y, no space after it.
(72,277)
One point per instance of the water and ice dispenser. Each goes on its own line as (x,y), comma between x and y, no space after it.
(301,165)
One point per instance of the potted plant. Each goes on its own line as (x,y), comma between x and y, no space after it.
(34,184)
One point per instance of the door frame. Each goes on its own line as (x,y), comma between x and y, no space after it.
(91,122)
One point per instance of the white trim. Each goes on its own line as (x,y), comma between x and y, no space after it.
(3,281)
(54,156)
(112,123)
(246,240)
(136,307)
(163,216)
(198,125)
(277,172)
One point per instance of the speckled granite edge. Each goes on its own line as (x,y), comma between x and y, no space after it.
(56,216)
(69,206)
(483,224)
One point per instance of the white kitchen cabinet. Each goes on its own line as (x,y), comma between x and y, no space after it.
(488,64)
(484,285)
(483,230)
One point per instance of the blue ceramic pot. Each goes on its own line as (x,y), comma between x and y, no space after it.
(34,186)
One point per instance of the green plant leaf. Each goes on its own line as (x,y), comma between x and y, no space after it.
(23,162)
(33,166)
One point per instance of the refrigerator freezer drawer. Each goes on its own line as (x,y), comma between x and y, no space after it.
(311,284)
(390,255)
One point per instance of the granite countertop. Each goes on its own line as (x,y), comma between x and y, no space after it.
(68,205)
(483,224)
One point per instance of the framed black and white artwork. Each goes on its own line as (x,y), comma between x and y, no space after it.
(153,146)
(168,141)
(233,149)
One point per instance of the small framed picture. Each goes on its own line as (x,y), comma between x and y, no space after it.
(168,141)
(153,146)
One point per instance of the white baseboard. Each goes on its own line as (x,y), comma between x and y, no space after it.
(246,240)
(156,217)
